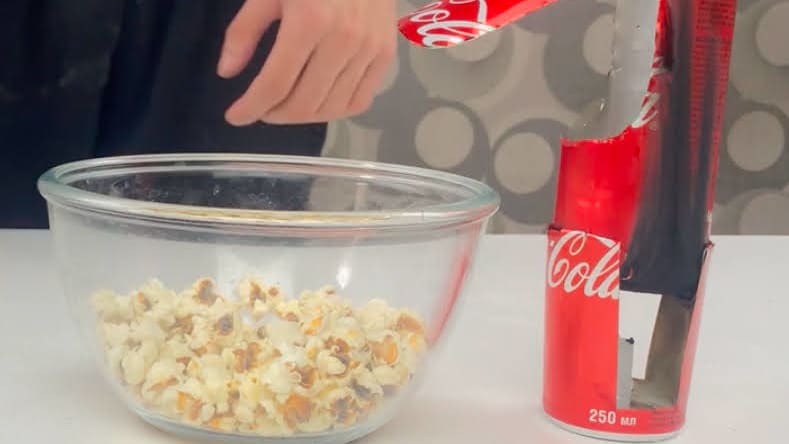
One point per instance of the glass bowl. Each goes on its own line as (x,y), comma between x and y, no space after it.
(263,298)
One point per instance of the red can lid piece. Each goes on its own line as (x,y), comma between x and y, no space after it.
(447,23)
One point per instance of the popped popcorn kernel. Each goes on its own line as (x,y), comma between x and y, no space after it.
(250,389)
(133,365)
(106,305)
(365,385)
(145,329)
(338,346)
(114,357)
(222,423)
(246,358)
(330,364)
(289,310)
(297,409)
(258,363)
(251,291)
(163,370)
(385,351)
(279,378)
(376,315)
(386,375)
(416,342)
(206,413)
(115,334)
(307,376)
(244,414)
(141,303)
(409,322)
(204,292)
(342,405)
(311,327)
(318,422)
(149,351)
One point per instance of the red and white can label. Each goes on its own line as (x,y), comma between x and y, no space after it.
(582,380)
(446,23)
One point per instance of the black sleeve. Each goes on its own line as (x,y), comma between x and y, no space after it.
(111,77)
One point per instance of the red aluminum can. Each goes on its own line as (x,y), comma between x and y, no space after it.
(588,384)
(446,23)
(599,380)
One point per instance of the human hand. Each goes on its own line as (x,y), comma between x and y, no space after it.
(328,60)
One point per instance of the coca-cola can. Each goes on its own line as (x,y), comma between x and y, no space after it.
(620,338)
(624,294)
(592,382)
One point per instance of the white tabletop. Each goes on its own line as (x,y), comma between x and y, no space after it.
(49,391)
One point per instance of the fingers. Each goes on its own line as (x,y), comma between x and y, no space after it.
(367,89)
(243,35)
(298,36)
(327,62)
(357,86)
(335,104)
(330,59)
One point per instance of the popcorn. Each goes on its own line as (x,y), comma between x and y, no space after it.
(330,364)
(167,401)
(192,388)
(386,376)
(115,334)
(385,351)
(147,329)
(289,310)
(149,351)
(365,385)
(376,315)
(114,357)
(141,303)
(342,405)
(297,410)
(203,292)
(259,363)
(133,365)
(105,302)
(410,322)
(279,378)
(206,413)
(163,371)
(251,390)
(282,334)
(201,333)
(244,414)
(225,328)
(222,423)
(267,423)
(252,292)
(312,326)
(318,422)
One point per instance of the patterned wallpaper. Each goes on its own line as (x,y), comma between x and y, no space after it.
(495,109)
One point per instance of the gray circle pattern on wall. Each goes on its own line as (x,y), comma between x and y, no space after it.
(534,207)
(442,124)
(464,110)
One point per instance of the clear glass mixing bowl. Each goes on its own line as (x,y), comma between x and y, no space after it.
(263,298)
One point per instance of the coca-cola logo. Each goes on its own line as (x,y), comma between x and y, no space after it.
(439,27)
(570,269)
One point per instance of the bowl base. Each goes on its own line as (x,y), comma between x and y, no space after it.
(208,436)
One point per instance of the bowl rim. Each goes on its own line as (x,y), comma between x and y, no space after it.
(55,186)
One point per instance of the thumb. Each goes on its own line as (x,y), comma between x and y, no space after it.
(243,34)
